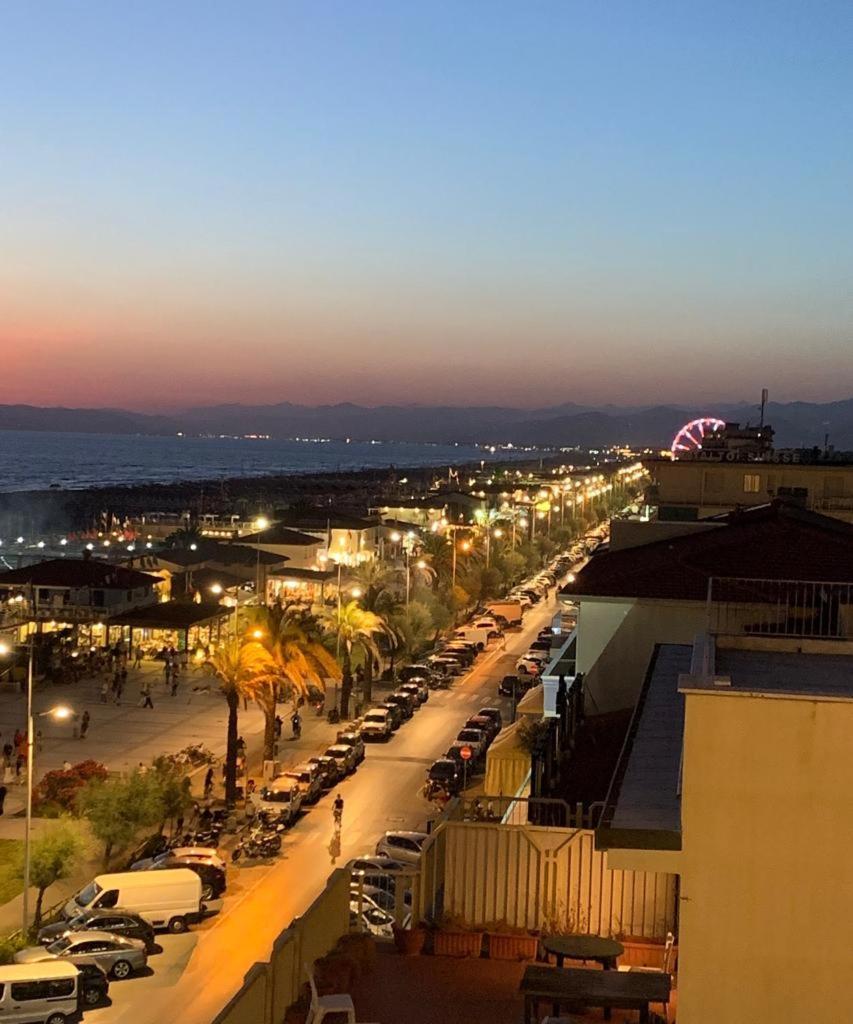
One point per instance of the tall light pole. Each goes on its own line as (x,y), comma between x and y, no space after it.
(61,713)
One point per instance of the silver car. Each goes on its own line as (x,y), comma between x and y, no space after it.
(114,954)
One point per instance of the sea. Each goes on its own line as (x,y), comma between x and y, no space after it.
(36,460)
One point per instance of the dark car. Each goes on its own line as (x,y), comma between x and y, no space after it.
(476,739)
(113,920)
(514,684)
(330,770)
(418,689)
(394,713)
(213,880)
(404,701)
(494,714)
(462,652)
(484,724)
(414,672)
(93,986)
(541,645)
(352,738)
(445,772)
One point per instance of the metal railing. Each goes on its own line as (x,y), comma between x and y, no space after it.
(820,610)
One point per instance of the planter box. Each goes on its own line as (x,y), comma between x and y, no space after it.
(640,953)
(512,947)
(458,943)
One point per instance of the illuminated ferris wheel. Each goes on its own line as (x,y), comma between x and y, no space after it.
(692,435)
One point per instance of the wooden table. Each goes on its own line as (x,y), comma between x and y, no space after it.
(584,947)
(577,988)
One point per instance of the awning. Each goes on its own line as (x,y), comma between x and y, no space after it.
(507,763)
(171,615)
(533,702)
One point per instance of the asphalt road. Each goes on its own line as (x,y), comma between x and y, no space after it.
(197,973)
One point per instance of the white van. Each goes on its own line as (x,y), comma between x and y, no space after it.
(473,635)
(511,611)
(167,899)
(42,993)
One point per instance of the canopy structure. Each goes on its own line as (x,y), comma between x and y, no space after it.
(507,763)
(532,703)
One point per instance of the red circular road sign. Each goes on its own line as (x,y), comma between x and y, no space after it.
(466,753)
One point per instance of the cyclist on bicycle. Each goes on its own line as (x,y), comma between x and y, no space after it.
(338,809)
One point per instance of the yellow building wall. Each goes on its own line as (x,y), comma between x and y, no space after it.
(766,911)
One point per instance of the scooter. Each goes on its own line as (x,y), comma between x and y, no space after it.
(260,842)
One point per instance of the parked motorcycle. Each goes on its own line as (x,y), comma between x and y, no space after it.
(260,842)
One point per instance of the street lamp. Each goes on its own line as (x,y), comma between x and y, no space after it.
(260,524)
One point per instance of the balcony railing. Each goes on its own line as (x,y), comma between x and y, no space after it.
(804,609)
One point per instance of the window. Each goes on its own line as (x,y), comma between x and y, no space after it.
(108,899)
(26,991)
(751,483)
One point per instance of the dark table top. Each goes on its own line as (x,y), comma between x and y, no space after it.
(583,947)
(626,989)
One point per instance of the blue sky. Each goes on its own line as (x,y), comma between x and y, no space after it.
(456,202)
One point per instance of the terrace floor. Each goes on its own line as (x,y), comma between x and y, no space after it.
(430,989)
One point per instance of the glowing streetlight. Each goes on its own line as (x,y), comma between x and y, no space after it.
(4,650)
(396,537)
(216,588)
(262,523)
(356,592)
(193,547)
(258,634)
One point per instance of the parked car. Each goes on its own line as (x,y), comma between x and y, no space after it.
(351,738)
(211,872)
(281,800)
(345,756)
(376,862)
(207,853)
(404,701)
(518,685)
(114,954)
(93,986)
(418,671)
(167,899)
(330,770)
(376,724)
(466,653)
(113,920)
(371,920)
(541,645)
(470,767)
(445,773)
(403,846)
(478,635)
(494,714)
(530,664)
(446,663)
(309,778)
(395,714)
(373,895)
(476,740)
(417,688)
(485,725)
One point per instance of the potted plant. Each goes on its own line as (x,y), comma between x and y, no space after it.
(454,937)
(333,973)
(409,941)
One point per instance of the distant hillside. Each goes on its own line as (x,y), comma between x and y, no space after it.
(568,424)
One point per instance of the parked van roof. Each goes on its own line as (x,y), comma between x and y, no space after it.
(44,970)
(143,879)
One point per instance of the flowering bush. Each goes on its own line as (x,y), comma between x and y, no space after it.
(58,791)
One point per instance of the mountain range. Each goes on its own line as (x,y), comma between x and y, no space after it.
(569,424)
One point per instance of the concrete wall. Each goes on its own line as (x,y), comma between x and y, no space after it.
(766,912)
(616,639)
(534,877)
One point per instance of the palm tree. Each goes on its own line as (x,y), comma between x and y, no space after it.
(292,662)
(375,581)
(184,537)
(234,665)
(356,629)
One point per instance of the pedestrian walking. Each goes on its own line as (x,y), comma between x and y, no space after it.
(118,687)
(84,725)
(278,726)
(3,792)
(105,690)
(145,694)
(208,782)
(173,689)
(137,658)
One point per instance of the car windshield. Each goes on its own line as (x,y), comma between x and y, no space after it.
(469,734)
(276,796)
(85,896)
(59,946)
(375,716)
(438,770)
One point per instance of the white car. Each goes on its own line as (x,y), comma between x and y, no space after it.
(402,846)
(376,724)
(201,853)
(531,664)
(374,920)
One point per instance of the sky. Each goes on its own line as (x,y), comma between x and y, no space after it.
(467,202)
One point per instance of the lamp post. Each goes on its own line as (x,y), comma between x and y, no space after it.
(260,524)
(61,713)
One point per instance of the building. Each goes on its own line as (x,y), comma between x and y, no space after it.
(344,538)
(735,572)
(736,776)
(299,549)
(718,480)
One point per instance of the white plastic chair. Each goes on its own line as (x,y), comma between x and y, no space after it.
(321,1006)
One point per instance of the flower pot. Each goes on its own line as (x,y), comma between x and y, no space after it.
(409,941)
(458,943)
(512,947)
(333,974)
(361,949)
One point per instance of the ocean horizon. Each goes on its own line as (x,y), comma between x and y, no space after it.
(43,460)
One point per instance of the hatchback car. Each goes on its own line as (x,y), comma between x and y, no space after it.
(417,688)
(514,685)
(212,875)
(394,713)
(375,862)
(494,714)
(445,773)
(376,724)
(330,771)
(115,921)
(530,664)
(404,701)
(309,779)
(476,740)
(345,756)
(114,954)
(403,846)
(350,738)
(484,724)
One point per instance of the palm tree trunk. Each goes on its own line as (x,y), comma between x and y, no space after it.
(367,690)
(268,707)
(37,915)
(346,683)
(233,699)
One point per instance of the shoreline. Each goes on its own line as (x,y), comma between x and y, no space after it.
(353,490)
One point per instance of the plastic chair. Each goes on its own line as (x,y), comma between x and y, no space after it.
(667,960)
(321,1006)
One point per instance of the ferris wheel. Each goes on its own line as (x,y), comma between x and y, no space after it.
(692,434)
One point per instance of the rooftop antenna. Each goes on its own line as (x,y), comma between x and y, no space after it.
(764,395)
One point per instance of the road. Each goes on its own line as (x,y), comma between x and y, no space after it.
(200,971)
